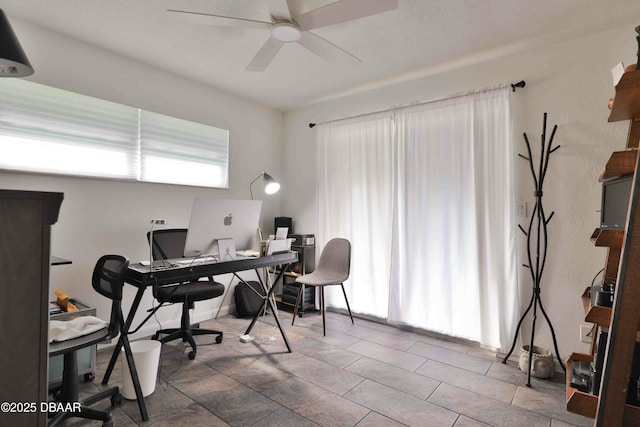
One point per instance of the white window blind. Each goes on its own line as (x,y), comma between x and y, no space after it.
(48,130)
(182,152)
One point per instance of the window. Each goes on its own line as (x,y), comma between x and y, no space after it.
(48,130)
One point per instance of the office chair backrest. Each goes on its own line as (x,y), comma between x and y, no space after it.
(168,243)
(108,281)
(336,259)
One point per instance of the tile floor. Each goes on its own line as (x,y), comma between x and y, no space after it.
(363,375)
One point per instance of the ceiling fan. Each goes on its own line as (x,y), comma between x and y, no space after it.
(288,24)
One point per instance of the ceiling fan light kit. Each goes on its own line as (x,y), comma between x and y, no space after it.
(285,32)
(288,25)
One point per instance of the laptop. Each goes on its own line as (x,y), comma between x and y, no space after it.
(213,220)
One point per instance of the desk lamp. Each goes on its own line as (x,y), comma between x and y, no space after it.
(153,222)
(271,186)
(13,61)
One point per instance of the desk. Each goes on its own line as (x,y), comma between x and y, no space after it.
(142,277)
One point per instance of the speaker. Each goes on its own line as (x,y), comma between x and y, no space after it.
(283,221)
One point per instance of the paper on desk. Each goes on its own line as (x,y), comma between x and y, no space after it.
(61,330)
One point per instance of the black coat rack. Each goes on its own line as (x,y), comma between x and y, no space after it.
(536,266)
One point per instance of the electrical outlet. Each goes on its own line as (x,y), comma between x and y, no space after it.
(521,209)
(585,333)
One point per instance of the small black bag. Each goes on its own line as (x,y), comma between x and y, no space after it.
(248,297)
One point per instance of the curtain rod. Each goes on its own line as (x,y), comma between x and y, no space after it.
(520,84)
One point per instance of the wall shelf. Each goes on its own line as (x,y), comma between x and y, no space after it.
(621,163)
(607,237)
(578,401)
(627,101)
(622,269)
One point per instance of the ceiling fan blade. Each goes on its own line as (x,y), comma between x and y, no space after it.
(265,55)
(279,10)
(325,49)
(295,8)
(223,21)
(343,11)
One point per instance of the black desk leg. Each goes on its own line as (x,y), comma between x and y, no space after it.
(124,341)
(134,378)
(267,300)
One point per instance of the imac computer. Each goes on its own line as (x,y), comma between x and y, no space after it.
(217,219)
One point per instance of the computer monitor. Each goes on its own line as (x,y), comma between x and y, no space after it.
(213,219)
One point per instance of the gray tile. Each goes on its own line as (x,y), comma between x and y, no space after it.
(334,338)
(468,422)
(512,374)
(317,404)
(441,341)
(471,381)
(393,340)
(490,355)
(376,420)
(163,402)
(194,416)
(284,417)
(394,377)
(338,357)
(551,403)
(214,389)
(400,406)
(388,355)
(230,400)
(556,423)
(451,357)
(257,375)
(322,374)
(484,409)
(379,326)
(325,352)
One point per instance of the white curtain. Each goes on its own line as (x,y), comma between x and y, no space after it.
(355,195)
(429,208)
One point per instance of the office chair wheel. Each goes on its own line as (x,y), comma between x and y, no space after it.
(89,376)
(218,339)
(301,314)
(192,355)
(116,399)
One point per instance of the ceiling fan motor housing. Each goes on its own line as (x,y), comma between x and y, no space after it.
(286,32)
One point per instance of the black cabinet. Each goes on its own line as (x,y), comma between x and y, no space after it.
(26,218)
(305,265)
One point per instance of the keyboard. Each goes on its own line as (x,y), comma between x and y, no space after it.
(196,261)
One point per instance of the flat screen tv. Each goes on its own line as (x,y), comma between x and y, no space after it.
(615,202)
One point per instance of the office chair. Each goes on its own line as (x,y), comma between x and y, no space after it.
(169,244)
(107,280)
(332,269)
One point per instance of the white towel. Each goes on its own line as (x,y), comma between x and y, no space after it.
(60,330)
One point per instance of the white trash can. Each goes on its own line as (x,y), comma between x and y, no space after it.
(146,355)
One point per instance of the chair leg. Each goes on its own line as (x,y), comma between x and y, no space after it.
(295,308)
(324,323)
(347,301)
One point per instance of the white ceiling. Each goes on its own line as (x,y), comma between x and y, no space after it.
(417,38)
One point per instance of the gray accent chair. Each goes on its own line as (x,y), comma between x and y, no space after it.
(332,269)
